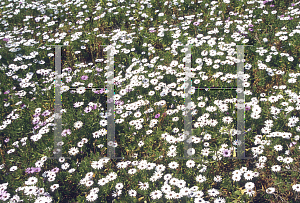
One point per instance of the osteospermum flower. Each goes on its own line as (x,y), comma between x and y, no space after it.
(156,194)
(73,151)
(190,163)
(119,186)
(54,187)
(80,90)
(37,169)
(170,195)
(31,181)
(270,190)
(250,192)
(13,168)
(132,193)
(112,176)
(249,185)
(78,104)
(84,77)
(165,188)
(276,168)
(220,200)
(248,175)
(226,153)
(103,181)
(64,89)
(78,124)
(247,108)
(55,170)
(97,165)
(236,177)
(65,132)
(173,165)
(30,170)
(217,178)
(200,178)
(132,171)
(296,187)
(191,151)
(144,186)
(213,192)
(92,197)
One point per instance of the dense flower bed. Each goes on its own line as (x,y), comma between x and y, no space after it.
(147,39)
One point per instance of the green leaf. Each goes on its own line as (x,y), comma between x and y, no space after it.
(238,192)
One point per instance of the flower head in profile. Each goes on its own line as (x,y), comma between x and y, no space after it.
(38,169)
(55,170)
(46,113)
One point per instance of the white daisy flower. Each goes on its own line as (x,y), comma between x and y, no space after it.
(132,193)
(78,124)
(296,187)
(31,181)
(270,190)
(80,90)
(249,185)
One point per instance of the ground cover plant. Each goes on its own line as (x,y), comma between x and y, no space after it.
(149,76)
